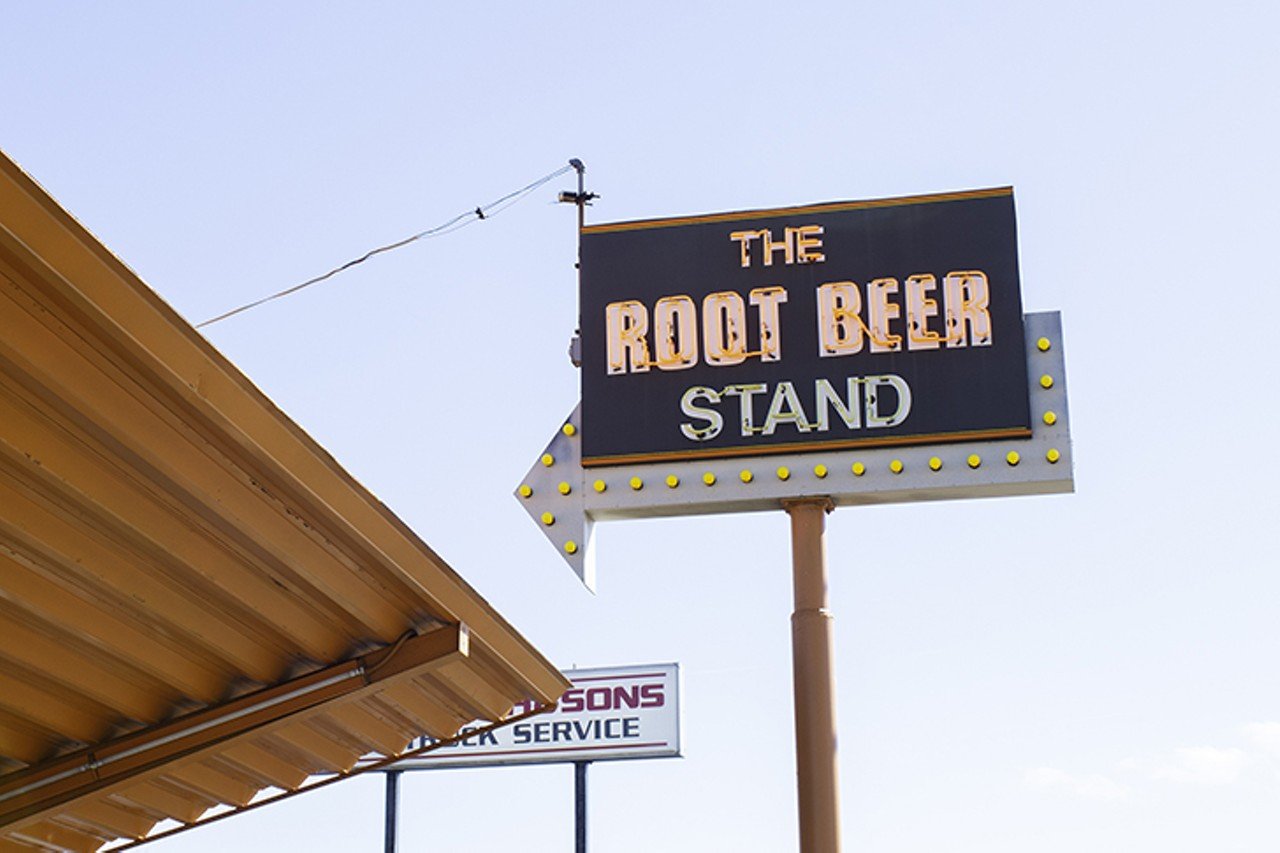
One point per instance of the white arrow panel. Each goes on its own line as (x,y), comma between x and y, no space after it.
(552,495)
(1041,464)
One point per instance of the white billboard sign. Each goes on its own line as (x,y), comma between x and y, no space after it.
(610,713)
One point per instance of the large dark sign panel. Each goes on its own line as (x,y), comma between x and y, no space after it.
(836,325)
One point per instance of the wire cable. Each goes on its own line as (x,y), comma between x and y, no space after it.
(462,220)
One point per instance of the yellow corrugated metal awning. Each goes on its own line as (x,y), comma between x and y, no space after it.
(197,602)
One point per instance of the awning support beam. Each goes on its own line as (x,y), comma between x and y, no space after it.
(43,788)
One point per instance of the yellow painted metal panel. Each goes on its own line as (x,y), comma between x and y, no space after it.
(112,818)
(77,668)
(489,702)
(212,782)
(161,527)
(327,753)
(195,470)
(20,740)
(28,699)
(356,725)
(67,604)
(265,766)
(164,801)
(436,721)
(58,542)
(61,837)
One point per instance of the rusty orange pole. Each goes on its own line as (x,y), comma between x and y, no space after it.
(817,776)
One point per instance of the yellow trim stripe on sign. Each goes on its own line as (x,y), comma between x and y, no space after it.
(827,207)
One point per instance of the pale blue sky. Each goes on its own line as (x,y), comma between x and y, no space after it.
(1091,672)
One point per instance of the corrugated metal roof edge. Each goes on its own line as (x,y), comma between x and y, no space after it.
(201,379)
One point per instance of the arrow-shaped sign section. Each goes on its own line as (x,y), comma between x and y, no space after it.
(566,499)
(553,496)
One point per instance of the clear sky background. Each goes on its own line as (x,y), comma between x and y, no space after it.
(1093,671)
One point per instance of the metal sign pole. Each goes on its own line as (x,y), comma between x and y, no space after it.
(391,835)
(817,785)
(580,806)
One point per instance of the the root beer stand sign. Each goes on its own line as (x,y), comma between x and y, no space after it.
(804,358)
(832,326)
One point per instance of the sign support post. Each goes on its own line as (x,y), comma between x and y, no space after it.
(580,806)
(817,783)
(391,834)
(848,353)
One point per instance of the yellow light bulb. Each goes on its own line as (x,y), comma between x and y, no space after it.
(637,483)
(548,459)
(858,469)
(599,485)
(1043,345)
(569,430)
(974,460)
(1046,381)
(820,471)
(548,519)
(672,481)
(896,466)
(709,478)
(1053,455)
(935,464)
(746,476)
(564,488)
(526,491)
(784,473)
(571,547)
(1050,418)
(1013,457)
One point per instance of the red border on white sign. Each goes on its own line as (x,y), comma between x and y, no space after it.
(611,713)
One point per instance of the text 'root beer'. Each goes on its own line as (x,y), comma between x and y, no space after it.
(725,328)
